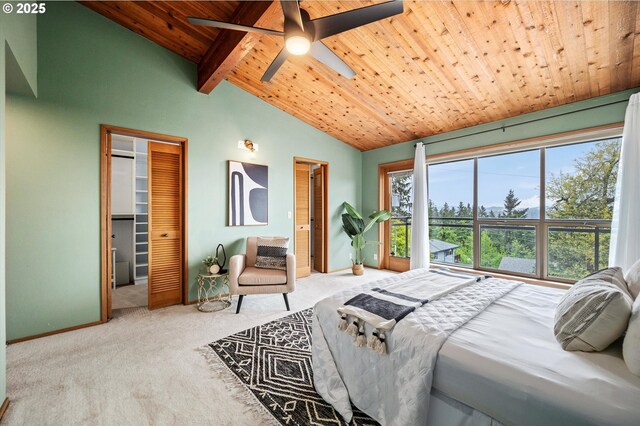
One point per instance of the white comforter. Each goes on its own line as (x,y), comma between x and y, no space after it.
(395,388)
(507,364)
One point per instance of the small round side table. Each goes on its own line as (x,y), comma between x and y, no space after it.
(208,286)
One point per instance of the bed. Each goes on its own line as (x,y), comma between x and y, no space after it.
(502,366)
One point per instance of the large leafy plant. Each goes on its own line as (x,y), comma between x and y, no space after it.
(355,227)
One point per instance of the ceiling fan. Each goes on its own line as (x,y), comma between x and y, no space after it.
(303,35)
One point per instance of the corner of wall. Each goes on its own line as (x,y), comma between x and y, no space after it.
(19,33)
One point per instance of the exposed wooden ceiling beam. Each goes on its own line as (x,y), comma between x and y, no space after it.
(229,47)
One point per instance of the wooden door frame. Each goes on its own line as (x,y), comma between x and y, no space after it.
(325,166)
(384,202)
(105,206)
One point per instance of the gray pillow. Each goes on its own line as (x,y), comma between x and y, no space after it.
(272,252)
(594,313)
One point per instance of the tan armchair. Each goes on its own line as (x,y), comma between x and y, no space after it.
(245,278)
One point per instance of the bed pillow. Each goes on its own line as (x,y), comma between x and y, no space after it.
(611,275)
(633,279)
(594,313)
(272,252)
(631,345)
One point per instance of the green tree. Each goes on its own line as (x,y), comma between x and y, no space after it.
(511,202)
(401,186)
(587,193)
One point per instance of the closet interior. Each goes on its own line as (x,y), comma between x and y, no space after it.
(129,221)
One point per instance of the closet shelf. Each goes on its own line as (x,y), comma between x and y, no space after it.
(141,177)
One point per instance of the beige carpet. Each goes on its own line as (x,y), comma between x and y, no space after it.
(143,367)
(130,296)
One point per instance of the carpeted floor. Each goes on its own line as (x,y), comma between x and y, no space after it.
(273,361)
(145,367)
(130,296)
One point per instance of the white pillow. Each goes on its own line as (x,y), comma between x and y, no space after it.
(594,312)
(631,345)
(632,277)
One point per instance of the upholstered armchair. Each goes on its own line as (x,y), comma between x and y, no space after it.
(245,278)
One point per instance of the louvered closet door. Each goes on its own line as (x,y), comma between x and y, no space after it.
(165,224)
(318,219)
(303,221)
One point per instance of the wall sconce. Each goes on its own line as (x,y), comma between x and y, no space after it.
(249,146)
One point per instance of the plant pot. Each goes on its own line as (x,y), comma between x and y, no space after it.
(357,269)
(214,269)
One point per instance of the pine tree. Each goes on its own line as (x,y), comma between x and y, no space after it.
(446,211)
(515,238)
(401,188)
(511,202)
(433,210)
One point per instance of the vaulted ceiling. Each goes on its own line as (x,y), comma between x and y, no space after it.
(440,66)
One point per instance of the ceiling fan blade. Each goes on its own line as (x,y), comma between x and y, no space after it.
(340,22)
(275,65)
(291,10)
(325,55)
(230,26)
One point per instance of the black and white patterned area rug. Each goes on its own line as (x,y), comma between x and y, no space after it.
(273,362)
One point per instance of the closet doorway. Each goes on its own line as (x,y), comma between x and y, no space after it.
(311,216)
(143,219)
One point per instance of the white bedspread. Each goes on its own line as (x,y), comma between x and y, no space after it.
(395,388)
(506,363)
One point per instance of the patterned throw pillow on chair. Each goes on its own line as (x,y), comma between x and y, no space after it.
(272,252)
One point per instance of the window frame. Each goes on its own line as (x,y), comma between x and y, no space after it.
(387,261)
(541,224)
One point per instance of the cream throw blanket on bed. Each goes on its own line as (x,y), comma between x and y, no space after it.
(383,307)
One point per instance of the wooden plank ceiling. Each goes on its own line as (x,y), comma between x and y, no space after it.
(440,66)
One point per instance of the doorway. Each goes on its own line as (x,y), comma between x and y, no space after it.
(143,219)
(311,216)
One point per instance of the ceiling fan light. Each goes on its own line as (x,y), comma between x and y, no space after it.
(297,44)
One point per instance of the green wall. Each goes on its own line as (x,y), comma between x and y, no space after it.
(92,71)
(580,115)
(18,62)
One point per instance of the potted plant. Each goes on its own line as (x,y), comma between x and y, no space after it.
(354,226)
(212,264)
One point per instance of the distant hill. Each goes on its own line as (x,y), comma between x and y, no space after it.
(532,213)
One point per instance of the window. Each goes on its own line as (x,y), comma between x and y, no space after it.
(543,212)
(451,212)
(580,183)
(508,209)
(401,204)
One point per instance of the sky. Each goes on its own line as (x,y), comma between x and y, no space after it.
(453,182)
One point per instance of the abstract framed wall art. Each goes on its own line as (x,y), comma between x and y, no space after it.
(248,194)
